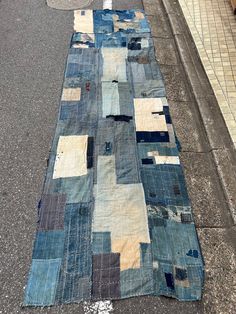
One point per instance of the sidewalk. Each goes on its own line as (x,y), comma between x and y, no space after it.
(213,27)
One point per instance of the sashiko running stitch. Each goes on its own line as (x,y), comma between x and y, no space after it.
(114,219)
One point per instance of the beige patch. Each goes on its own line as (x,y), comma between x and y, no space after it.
(139,15)
(123,203)
(174,160)
(83,21)
(147,116)
(71,94)
(164,159)
(130,252)
(182,283)
(71,156)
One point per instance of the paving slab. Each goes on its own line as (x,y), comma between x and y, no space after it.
(206,103)
(218,247)
(225,163)
(175,83)
(160,26)
(205,191)
(165,51)
(212,25)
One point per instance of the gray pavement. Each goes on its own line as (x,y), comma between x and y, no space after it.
(34,43)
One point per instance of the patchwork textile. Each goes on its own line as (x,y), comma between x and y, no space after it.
(115,219)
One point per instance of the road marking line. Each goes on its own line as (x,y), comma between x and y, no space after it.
(107,4)
(100,307)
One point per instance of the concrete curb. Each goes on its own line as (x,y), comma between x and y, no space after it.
(220,144)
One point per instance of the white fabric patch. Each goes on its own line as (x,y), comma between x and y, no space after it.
(71,159)
(71,94)
(83,21)
(147,117)
(144,43)
(161,160)
(80,46)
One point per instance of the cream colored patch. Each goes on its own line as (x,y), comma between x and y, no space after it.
(139,15)
(130,248)
(182,283)
(114,64)
(174,160)
(83,21)
(123,203)
(71,94)
(124,24)
(144,43)
(71,156)
(159,160)
(147,116)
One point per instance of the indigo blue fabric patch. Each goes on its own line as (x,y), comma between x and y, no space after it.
(48,245)
(115,219)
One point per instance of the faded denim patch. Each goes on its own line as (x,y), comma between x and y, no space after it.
(176,273)
(42,283)
(48,245)
(164,185)
(101,242)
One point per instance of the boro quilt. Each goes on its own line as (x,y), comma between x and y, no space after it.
(114,220)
